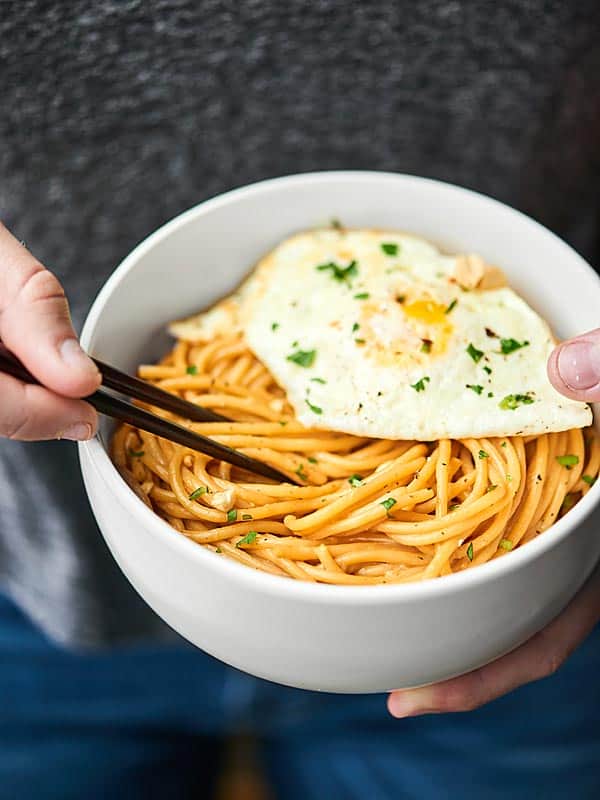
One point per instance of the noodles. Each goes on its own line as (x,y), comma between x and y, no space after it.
(368,511)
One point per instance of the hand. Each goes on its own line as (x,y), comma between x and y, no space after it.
(35,325)
(574,370)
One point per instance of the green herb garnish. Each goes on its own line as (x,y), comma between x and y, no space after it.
(512,401)
(568,502)
(589,479)
(362,296)
(355,327)
(360,341)
(488,370)
(313,408)
(135,453)
(301,474)
(312,460)
(470,552)
(389,248)
(249,538)
(246,517)
(340,274)
(568,461)
(483,454)
(388,503)
(218,550)
(506,544)
(198,492)
(491,488)
(450,307)
(475,387)
(475,354)
(192,369)
(274,326)
(419,386)
(355,480)
(232,515)
(426,345)
(510,345)
(304,358)
(318,380)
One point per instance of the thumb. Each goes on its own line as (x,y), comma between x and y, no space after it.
(35,323)
(574,367)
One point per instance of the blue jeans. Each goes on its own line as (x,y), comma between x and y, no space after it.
(146,722)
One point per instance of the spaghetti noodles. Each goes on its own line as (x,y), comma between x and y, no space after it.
(369,511)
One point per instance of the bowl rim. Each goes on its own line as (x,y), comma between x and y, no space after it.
(92,452)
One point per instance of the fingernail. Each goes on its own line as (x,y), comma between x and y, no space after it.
(72,354)
(400,705)
(79,432)
(578,364)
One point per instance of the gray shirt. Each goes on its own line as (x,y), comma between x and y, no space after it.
(115,116)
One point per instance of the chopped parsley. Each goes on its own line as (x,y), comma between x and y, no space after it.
(249,538)
(568,461)
(318,380)
(340,274)
(487,369)
(198,492)
(304,358)
(135,453)
(512,401)
(568,502)
(475,354)
(232,515)
(490,394)
(400,298)
(362,296)
(274,326)
(336,224)
(589,479)
(491,488)
(312,460)
(301,474)
(283,423)
(510,345)
(419,386)
(389,248)
(483,454)
(355,480)
(313,408)
(453,507)
(360,341)
(355,327)
(218,550)
(503,444)
(426,345)
(388,503)
(470,551)
(192,369)
(475,387)
(246,517)
(506,544)
(450,307)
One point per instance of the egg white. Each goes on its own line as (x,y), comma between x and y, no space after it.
(385,343)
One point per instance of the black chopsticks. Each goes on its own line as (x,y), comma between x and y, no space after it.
(125,411)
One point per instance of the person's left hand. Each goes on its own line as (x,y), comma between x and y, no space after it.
(574,369)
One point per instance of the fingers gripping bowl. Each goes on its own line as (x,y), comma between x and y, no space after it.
(334,638)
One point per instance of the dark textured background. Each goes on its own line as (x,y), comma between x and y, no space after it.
(115,116)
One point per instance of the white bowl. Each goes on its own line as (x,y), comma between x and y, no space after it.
(333,638)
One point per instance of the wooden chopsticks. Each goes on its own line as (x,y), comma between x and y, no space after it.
(121,409)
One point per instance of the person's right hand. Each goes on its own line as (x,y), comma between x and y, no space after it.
(35,325)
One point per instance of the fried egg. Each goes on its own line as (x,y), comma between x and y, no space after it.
(380,334)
